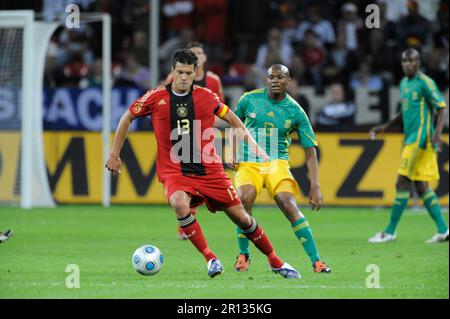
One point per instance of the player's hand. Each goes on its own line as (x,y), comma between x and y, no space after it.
(315,197)
(113,165)
(436,141)
(375,130)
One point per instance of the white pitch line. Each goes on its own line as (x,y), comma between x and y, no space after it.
(206,285)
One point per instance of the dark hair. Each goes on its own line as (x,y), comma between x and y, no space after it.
(195,44)
(184,56)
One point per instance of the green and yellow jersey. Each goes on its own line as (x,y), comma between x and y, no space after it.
(271,123)
(420,98)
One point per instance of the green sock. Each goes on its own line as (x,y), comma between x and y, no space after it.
(400,203)
(303,232)
(431,202)
(243,242)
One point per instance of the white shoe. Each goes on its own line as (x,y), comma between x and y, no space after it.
(382,237)
(287,271)
(4,236)
(215,267)
(438,238)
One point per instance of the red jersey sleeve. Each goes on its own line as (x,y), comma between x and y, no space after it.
(144,105)
(215,85)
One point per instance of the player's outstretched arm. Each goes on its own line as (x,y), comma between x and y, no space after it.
(395,122)
(114,163)
(241,132)
(315,196)
(436,139)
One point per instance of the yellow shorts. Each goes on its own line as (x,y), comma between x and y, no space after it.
(275,176)
(419,164)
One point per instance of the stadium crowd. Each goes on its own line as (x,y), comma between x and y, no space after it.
(322,42)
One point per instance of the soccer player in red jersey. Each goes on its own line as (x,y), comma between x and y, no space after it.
(187,163)
(203,78)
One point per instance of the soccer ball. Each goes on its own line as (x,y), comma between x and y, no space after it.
(147,260)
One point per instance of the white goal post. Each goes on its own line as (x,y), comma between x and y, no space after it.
(23,47)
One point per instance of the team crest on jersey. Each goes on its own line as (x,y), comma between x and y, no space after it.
(405,105)
(287,124)
(270,114)
(252,115)
(182,110)
(414,95)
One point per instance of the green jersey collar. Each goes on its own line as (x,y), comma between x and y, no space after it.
(266,92)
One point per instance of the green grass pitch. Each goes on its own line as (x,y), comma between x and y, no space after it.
(101,241)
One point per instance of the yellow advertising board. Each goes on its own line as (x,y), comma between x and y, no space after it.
(353,170)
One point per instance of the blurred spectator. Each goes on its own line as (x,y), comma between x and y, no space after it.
(178,14)
(437,67)
(350,26)
(133,74)
(257,76)
(137,13)
(298,70)
(413,30)
(74,71)
(440,26)
(56,9)
(338,114)
(338,62)
(322,27)
(248,26)
(364,78)
(75,42)
(139,47)
(395,9)
(274,46)
(167,49)
(388,27)
(314,57)
(380,56)
(438,62)
(211,23)
(121,31)
(294,90)
(95,75)
(288,30)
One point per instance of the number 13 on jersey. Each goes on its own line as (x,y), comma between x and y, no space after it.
(183,126)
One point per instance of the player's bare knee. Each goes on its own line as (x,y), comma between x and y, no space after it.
(247,199)
(421,188)
(244,221)
(180,206)
(403,183)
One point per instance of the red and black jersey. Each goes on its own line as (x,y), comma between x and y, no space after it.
(183,128)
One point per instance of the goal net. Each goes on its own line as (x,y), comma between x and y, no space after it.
(24,41)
